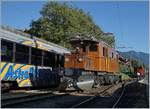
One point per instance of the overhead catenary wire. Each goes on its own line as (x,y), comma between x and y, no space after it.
(119,20)
(122,46)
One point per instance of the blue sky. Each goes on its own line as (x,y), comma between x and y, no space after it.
(127,20)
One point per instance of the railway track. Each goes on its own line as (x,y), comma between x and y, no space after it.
(100,101)
(103,99)
(119,98)
(8,102)
(86,101)
(131,96)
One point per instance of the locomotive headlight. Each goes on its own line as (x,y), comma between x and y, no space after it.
(66,59)
(80,59)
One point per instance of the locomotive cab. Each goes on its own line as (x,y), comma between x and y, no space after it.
(92,56)
(83,49)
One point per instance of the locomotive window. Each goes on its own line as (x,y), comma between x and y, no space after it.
(22,54)
(36,57)
(106,52)
(7,51)
(93,48)
(84,48)
(103,51)
(112,55)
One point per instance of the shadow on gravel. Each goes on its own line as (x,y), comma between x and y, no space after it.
(135,96)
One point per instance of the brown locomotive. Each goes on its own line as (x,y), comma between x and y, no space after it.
(92,63)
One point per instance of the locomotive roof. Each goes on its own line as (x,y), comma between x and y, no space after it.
(26,39)
(88,40)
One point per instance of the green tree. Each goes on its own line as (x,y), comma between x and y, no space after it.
(59,22)
(109,38)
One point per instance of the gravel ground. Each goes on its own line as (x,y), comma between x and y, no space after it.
(134,96)
(55,102)
(68,100)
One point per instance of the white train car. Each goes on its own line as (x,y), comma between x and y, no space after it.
(27,61)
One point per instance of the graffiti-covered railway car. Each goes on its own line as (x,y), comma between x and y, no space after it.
(27,61)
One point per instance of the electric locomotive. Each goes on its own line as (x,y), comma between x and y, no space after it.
(93,63)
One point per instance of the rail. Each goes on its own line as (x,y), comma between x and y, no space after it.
(29,98)
(91,98)
(119,98)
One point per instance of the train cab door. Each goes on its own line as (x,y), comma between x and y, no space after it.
(105,54)
(107,60)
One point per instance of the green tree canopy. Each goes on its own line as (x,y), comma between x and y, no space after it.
(59,22)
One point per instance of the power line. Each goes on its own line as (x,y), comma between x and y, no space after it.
(119,20)
(121,28)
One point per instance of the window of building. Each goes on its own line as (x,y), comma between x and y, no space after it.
(7,51)
(22,54)
(93,48)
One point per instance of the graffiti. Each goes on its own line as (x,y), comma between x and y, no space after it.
(22,72)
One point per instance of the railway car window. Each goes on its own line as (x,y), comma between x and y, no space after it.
(47,58)
(58,60)
(62,61)
(36,57)
(53,59)
(22,54)
(7,51)
(93,48)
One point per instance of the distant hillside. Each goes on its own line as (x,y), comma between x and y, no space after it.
(140,56)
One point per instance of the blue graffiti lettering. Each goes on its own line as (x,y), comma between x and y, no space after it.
(19,73)
(9,73)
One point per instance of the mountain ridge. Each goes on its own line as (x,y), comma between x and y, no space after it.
(140,56)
